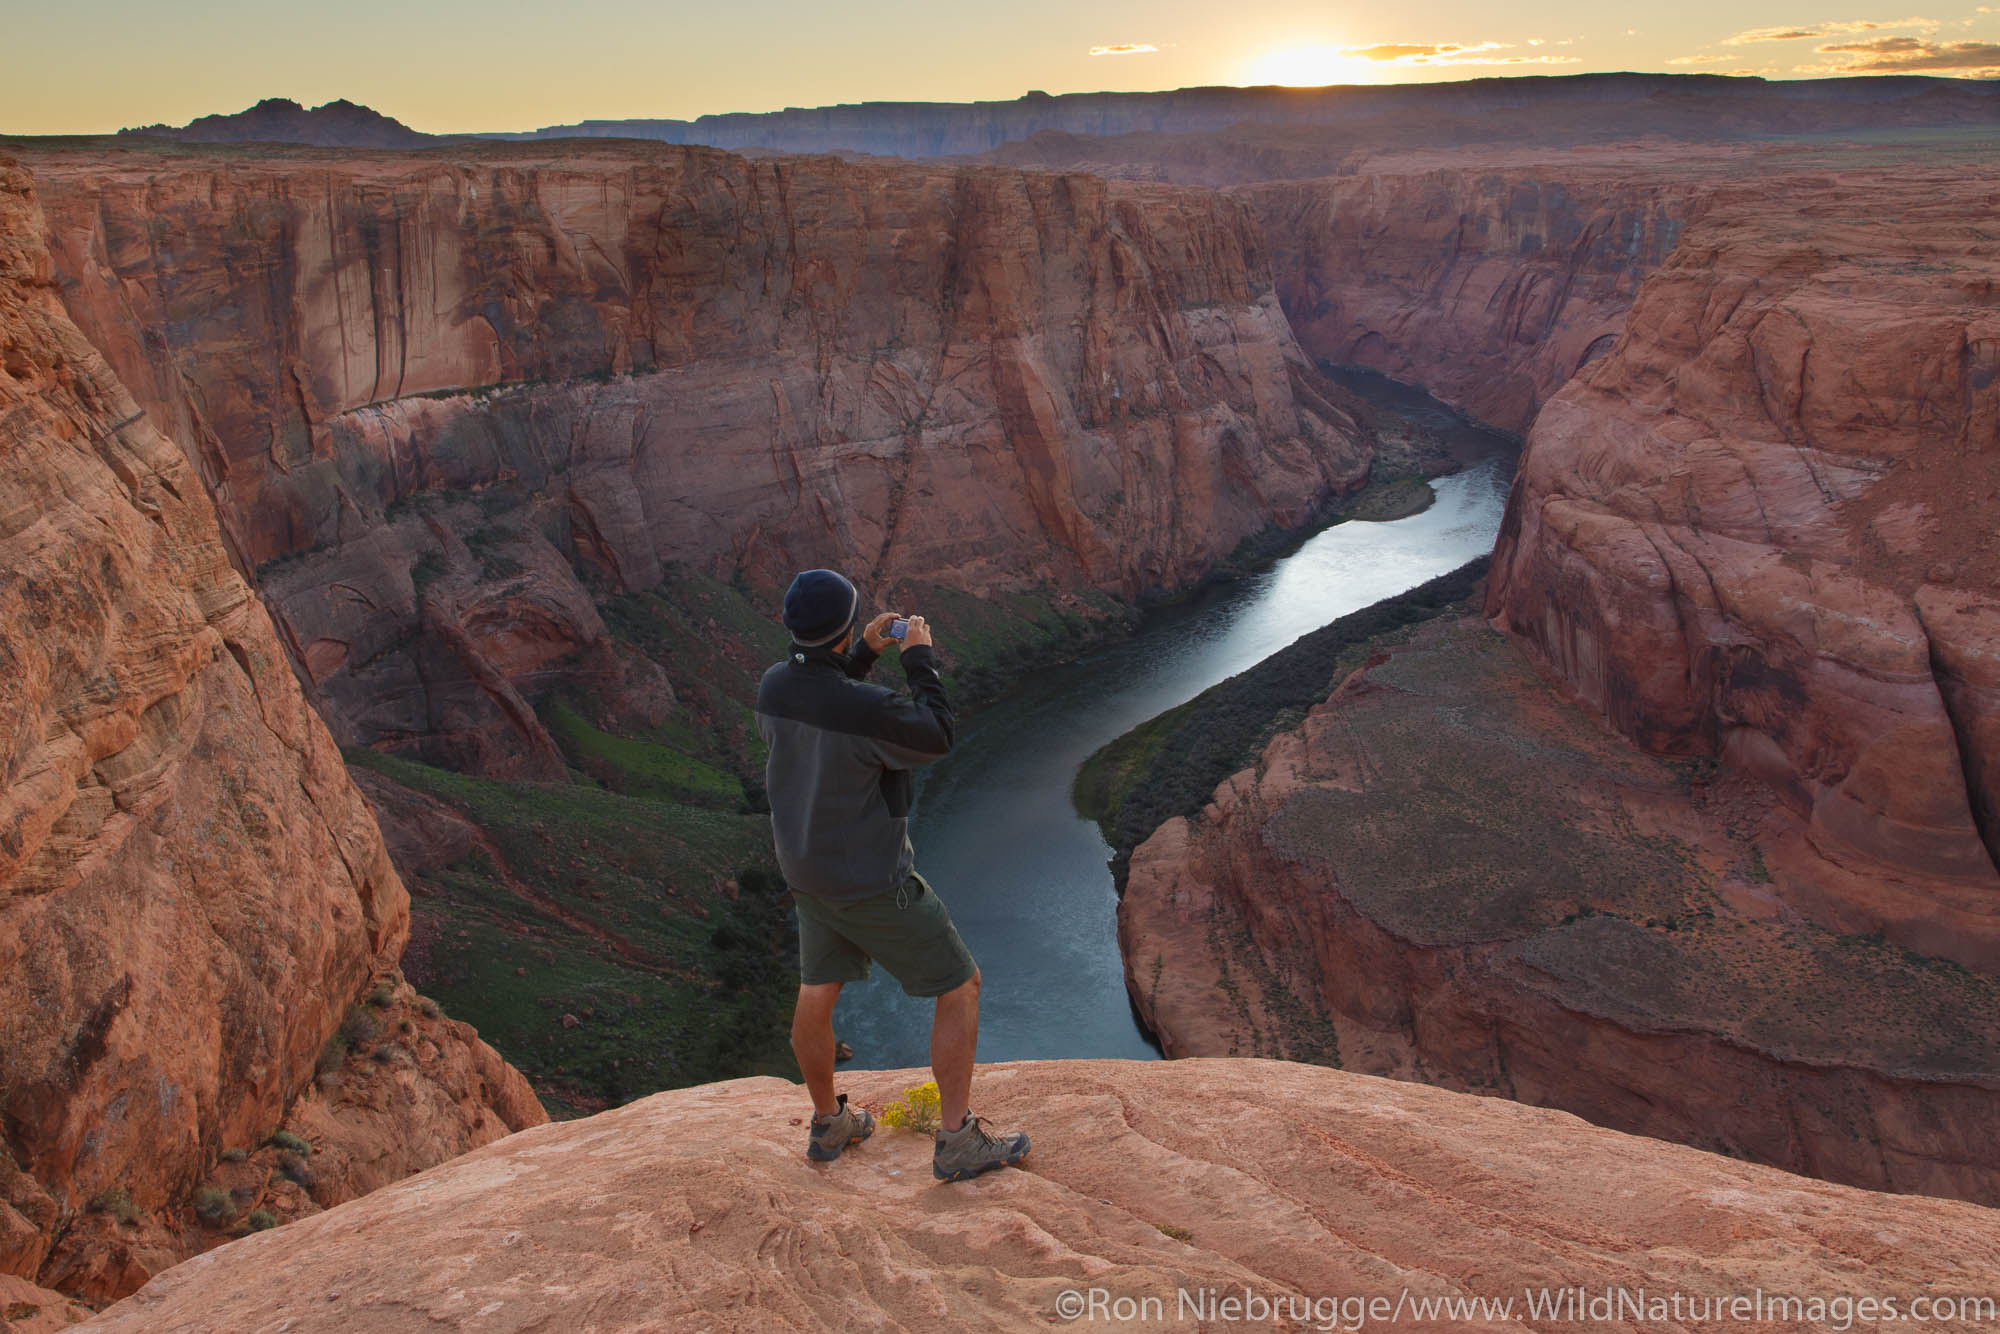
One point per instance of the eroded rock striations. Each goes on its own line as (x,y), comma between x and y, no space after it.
(636,356)
(191,890)
(1764,528)
(1308,1186)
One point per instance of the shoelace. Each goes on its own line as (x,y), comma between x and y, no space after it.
(978,1126)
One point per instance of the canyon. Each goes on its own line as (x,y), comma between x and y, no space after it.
(1762,559)
(459,412)
(537,364)
(479,467)
(520,446)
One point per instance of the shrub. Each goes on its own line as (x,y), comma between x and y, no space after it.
(1175,1231)
(916,1110)
(233,1155)
(428,1007)
(213,1204)
(405,1027)
(261,1219)
(333,1054)
(381,995)
(294,1168)
(429,568)
(285,1139)
(359,1026)
(116,1202)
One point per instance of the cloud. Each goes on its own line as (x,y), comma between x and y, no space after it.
(1411,51)
(1881,46)
(1698,60)
(1801,32)
(1433,54)
(1907,55)
(1125,49)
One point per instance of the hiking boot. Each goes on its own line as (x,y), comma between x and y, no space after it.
(831,1134)
(972,1148)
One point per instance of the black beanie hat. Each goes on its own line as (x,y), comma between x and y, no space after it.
(819,607)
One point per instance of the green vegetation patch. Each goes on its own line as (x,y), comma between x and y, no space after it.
(636,766)
(609,945)
(714,643)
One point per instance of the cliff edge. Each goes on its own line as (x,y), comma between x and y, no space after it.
(1218,1178)
(193,895)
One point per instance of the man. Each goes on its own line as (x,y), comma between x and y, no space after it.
(840,784)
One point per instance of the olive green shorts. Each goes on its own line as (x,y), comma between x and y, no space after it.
(906,930)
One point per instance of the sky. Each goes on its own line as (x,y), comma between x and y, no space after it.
(94,66)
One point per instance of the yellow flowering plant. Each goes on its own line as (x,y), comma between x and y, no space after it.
(916,1110)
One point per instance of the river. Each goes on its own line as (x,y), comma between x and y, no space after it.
(1028,881)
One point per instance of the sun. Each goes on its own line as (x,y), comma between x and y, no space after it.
(1309,67)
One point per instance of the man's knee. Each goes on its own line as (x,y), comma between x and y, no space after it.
(816,1001)
(967,990)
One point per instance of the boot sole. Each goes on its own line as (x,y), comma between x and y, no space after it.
(967,1173)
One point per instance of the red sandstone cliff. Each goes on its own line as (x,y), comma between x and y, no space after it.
(1764,528)
(1490,285)
(192,893)
(992,379)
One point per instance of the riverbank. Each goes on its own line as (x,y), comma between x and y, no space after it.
(1169,765)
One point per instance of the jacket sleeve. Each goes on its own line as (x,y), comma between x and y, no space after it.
(860,659)
(912,730)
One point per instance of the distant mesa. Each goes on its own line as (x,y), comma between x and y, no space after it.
(1566,109)
(279,120)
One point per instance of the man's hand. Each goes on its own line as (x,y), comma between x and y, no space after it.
(876,633)
(920,633)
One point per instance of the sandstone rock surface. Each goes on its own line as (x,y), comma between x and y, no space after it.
(191,890)
(27,1309)
(696,1208)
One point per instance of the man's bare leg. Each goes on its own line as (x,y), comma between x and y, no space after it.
(812,1043)
(954,1045)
